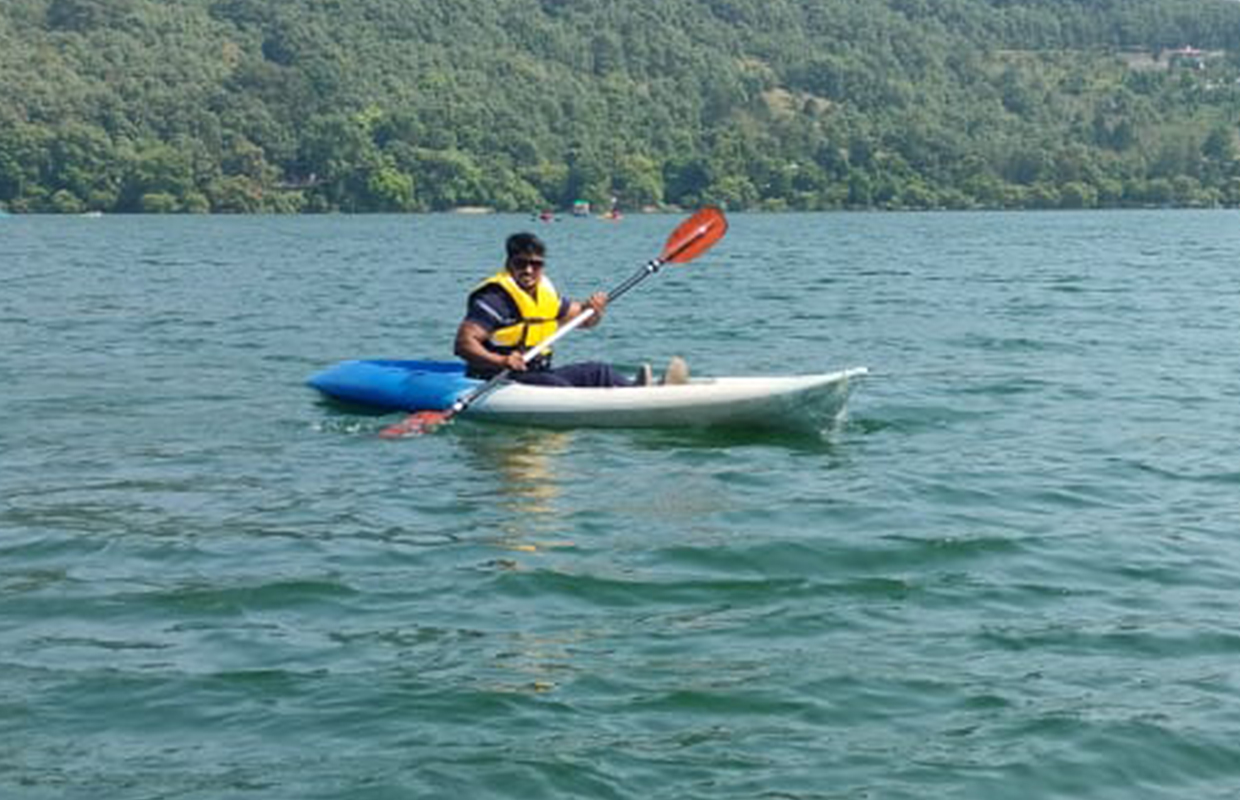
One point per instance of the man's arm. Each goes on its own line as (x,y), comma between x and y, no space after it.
(471,346)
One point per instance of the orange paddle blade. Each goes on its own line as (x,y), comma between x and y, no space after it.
(695,236)
(416,424)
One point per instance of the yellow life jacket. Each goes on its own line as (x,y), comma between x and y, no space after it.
(539,314)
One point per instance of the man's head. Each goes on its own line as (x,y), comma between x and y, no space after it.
(526,256)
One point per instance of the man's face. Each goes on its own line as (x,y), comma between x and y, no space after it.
(526,270)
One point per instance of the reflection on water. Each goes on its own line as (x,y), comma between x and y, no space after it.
(529,465)
(526,462)
(538,661)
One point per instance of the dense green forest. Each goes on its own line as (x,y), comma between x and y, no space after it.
(412,105)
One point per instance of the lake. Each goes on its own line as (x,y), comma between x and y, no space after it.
(1009,572)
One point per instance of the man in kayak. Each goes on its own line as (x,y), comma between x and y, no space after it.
(518,307)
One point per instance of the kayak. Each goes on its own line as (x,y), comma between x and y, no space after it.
(766,402)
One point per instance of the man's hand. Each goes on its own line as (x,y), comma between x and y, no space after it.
(598,302)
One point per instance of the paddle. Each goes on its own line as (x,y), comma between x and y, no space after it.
(694,236)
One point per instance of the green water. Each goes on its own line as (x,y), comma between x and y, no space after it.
(1011,572)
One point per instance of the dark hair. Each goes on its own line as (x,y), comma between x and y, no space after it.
(524,244)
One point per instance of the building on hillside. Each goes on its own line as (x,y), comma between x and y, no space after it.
(1187,56)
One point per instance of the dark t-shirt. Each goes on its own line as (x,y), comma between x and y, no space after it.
(492,308)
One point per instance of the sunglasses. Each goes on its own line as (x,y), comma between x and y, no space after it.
(523,262)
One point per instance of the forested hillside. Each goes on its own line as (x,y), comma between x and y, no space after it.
(395,105)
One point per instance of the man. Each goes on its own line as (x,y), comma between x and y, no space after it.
(518,307)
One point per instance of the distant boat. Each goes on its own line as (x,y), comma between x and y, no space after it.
(92,214)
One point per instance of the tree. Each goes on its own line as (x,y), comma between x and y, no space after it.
(638,181)
(24,155)
(446,179)
(84,15)
(389,189)
(156,170)
(254,105)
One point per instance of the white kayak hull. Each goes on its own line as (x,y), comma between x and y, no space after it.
(798,401)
